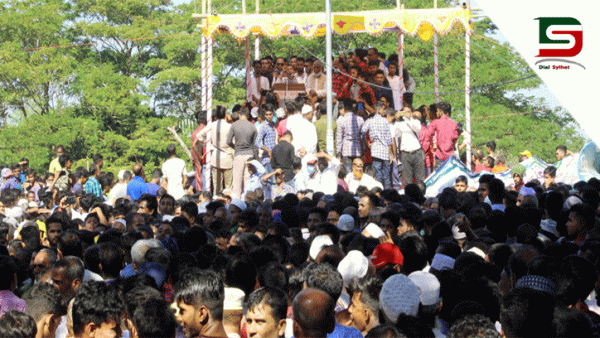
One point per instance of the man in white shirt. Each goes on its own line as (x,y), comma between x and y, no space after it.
(320,173)
(412,156)
(316,82)
(174,172)
(358,177)
(258,83)
(304,133)
(300,73)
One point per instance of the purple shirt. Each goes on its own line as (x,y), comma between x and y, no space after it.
(446,132)
(8,301)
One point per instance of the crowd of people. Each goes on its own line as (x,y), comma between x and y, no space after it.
(286,239)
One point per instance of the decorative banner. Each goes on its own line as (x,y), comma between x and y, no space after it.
(559,41)
(414,22)
(572,169)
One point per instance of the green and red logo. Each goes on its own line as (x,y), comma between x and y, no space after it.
(560,37)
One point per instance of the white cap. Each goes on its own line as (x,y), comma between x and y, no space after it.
(374,230)
(121,174)
(318,243)
(429,287)
(306,109)
(234,299)
(238,203)
(354,266)
(254,112)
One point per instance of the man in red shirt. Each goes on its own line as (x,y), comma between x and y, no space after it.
(446,132)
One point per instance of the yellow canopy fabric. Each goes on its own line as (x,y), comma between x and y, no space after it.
(414,22)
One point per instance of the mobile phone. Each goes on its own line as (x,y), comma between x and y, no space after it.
(361,106)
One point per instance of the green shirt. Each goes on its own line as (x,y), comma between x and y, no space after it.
(321,126)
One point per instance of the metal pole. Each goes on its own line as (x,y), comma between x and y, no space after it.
(209,66)
(436,70)
(203,61)
(248,93)
(468,94)
(257,39)
(329,75)
(401,61)
(205,105)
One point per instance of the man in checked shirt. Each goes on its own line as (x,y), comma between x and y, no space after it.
(348,138)
(378,128)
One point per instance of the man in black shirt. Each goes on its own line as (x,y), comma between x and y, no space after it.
(282,156)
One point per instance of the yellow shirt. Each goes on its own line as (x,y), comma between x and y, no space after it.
(54,166)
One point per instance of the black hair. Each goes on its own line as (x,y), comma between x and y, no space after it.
(30,235)
(95,302)
(491,145)
(462,178)
(202,288)
(585,214)
(73,266)
(151,202)
(8,268)
(15,324)
(111,259)
(136,296)
(171,149)
(445,107)
(562,148)
(63,159)
(474,325)
(385,330)
(414,249)
(275,298)
(220,112)
(526,312)
(324,277)
(496,191)
(550,170)
(154,318)
(567,321)
(69,243)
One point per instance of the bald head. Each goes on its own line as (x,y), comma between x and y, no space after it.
(138,169)
(314,314)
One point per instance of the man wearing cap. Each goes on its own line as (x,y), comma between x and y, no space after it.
(357,177)
(137,186)
(304,133)
(399,295)
(233,311)
(429,292)
(321,172)
(387,255)
(241,137)
(525,154)
(235,208)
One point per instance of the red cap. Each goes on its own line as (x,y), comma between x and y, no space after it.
(386,253)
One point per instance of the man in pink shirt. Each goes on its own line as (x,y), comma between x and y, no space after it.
(446,132)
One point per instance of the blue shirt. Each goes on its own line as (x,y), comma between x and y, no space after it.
(153,188)
(341,331)
(92,186)
(136,187)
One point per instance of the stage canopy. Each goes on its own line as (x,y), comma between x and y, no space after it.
(414,22)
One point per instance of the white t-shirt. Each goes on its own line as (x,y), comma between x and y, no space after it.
(173,170)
